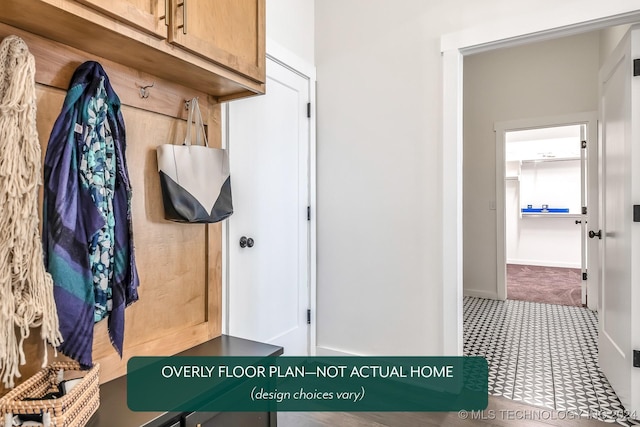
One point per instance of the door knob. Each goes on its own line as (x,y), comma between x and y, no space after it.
(593,234)
(246,242)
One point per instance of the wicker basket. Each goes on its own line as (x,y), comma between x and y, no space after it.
(71,410)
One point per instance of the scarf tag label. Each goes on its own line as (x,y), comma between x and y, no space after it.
(78,128)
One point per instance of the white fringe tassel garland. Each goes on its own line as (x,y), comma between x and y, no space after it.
(26,289)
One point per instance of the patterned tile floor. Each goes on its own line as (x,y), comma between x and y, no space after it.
(542,354)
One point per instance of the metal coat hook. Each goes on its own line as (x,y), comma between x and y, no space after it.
(187,104)
(144,93)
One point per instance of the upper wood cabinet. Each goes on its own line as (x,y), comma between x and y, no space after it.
(214,46)
(229,32)
(146,15)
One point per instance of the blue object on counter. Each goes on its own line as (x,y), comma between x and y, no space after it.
(547,210)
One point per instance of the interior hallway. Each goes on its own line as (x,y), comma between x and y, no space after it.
(541,354)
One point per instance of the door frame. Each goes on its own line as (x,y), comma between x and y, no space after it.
(590,120)
(492,35)
(287,59)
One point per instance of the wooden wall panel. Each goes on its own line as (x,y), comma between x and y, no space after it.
(179,264)
(171,257)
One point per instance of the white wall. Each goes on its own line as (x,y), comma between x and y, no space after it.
(552,183)
(543,79)
(544,240)
(379,162)
(290,23)
(379,238)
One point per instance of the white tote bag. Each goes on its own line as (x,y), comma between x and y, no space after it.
(195,181)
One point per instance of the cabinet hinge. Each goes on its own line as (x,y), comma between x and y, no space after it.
(584,210)
(308,316)
(584,276)
(308,110)
(583,144)
(308,213)
(636,358)
(636,67)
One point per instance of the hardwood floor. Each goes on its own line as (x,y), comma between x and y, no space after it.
(500,412)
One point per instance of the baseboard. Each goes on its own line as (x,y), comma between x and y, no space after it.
(480,294)
(326,351)
(539,263)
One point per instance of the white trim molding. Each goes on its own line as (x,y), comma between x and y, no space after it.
(326,351)
(511,32)
(452,208)
(501,128)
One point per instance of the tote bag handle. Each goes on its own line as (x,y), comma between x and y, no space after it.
(195,116)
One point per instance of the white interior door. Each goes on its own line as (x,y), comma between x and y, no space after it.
(268,282)
(618,331)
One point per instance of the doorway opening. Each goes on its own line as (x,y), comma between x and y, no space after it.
(541,186)
(456,50)
(547,195)
(545,190)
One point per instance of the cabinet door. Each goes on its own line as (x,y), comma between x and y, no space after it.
(146,15)
(228,419)
(229,32)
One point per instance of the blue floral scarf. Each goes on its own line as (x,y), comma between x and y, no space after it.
(87,232)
